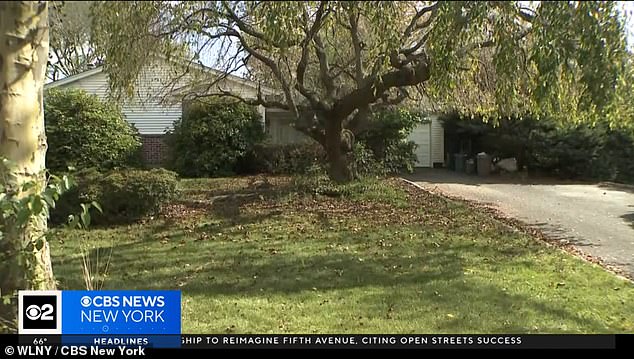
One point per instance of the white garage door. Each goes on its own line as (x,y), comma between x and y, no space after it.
(421,135)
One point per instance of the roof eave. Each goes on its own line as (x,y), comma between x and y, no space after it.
(73,78)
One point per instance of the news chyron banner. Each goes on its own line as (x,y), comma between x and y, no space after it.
(149,318)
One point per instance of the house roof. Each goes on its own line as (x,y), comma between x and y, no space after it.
(73,78)
(87,73)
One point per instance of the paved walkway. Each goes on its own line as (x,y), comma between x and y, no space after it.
(596,218)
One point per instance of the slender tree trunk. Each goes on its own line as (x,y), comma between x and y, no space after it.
(338,169)
(23,59)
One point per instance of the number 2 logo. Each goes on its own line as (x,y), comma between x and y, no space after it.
(34,312)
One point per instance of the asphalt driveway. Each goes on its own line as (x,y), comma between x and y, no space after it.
(597,218)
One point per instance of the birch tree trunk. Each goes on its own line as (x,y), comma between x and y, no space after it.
(23,59)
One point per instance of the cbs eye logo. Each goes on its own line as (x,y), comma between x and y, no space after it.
(85,301)
(39,312)
(44,312)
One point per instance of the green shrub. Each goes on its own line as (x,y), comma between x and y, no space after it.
(87,189)
(568,151)
(363,162)
(400,157)
(213,137)
(132,194)
(386,137)
(283,158)
(124,195)
(83,131)
(573,150)
(619,152)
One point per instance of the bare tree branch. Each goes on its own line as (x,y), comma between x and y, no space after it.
(489,43)
(409,75)
(359,121)
(324,67)
(303,62)
(413,25)
(376,68)
(248,29)
(274,69)
(259,101)
(342,70)
(356,45)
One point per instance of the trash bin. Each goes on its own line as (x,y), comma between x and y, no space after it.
(470,166)
(484,164)
(459,162)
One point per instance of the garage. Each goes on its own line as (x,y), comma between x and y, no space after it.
(429,138)
(421,135)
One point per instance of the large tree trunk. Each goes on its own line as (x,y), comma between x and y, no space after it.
(26,262)
(338,169)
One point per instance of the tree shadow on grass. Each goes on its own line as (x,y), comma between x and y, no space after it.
(426,284)
(215,187)
(230,208)
(251,268)
(225,211)
(263,189)
(229,204)
(467,307)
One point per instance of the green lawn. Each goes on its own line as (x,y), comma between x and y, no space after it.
(382,258)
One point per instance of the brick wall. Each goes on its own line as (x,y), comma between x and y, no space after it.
(154,149)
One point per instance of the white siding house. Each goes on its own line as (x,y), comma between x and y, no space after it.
(146,114)
(280,130)
(152,116)
(147,110)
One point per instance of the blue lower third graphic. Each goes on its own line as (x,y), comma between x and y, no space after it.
(122,317)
